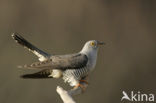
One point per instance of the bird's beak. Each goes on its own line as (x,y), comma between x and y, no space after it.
(100,43)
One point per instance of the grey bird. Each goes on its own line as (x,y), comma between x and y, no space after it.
(73,68)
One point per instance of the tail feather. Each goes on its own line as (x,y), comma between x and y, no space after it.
(39,75)
(20,40)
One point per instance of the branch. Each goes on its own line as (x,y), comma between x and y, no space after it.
(66,96)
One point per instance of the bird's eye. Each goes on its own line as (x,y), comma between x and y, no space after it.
(92,43)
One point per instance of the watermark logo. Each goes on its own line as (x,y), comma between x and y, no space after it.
(138,96)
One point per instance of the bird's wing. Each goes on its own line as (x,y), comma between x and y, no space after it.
(73,61)
(41,74)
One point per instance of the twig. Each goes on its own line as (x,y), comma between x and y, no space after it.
(66,96)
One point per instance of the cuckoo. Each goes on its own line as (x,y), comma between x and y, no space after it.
(72,68)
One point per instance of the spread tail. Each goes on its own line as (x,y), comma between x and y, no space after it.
(20,40)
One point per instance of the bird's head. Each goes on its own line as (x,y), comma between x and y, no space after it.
(91,45)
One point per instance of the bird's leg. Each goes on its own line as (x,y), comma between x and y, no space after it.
(81,86)
(84,81)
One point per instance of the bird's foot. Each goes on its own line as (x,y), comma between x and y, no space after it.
(84,81)
(81,86)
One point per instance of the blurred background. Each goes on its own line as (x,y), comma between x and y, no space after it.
(126,63)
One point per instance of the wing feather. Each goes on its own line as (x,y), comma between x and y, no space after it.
(41,74)
(63,62)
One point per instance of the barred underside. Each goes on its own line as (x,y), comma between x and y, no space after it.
(72,76)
